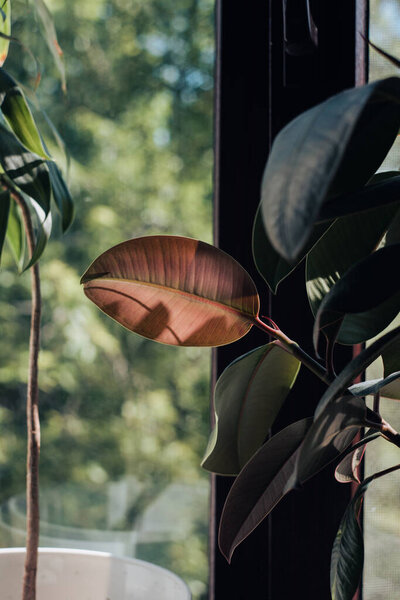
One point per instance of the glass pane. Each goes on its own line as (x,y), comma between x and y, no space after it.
(382,502)
(124,420)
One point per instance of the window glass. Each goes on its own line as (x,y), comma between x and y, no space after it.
(382,501)
(124,420)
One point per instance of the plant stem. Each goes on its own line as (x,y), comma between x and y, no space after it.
(295,350)
(32,417)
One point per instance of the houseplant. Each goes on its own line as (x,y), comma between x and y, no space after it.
(321,200)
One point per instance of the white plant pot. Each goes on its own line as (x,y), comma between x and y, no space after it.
(83,575)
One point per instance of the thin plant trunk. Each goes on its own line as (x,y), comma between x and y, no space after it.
(32,417)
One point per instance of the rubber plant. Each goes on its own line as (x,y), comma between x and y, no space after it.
(30,182)
(322,205)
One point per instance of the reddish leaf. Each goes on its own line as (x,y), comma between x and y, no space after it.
(174,290)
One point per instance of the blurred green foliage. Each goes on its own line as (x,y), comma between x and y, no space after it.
(137,121)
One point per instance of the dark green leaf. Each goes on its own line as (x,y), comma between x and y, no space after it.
(271,266)
(5,30)
(15,235)
(4,212)
(326,152)
(355,367)
(26,170)
(18,114)
(43,231)
(364,286)
(260,486)
(61,195)
(331,433)
(367,388)
(247,399)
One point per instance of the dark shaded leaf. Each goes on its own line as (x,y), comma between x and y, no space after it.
(15,235)
(43,230)
(331,433)
(355,367)
(4,212)
(26,170)
(18,114)
(364,286)
(260,486)
(395,61)
(174,290)
(247,399)
(271,266)
(348,470)
(326,152)
(61,195)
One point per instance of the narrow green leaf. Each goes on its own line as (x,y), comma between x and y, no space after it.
(50,36)
(27,170)
(332,432)
(271,266)
(247,399)
(326,152)
(174,290)
(43,231)
(18,114)
(5,30)
(355,367)
(367,284)
(4,212)
(61,195)
(260,485)
(15,235)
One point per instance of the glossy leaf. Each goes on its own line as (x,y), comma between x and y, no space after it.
(382,190)
(43,231)
(364,286)
(18,114)
(4,212)
(61,195)
(372,387)
(260,486)
(355,367)
(15,235)
(326,152)
(331,433)
(359,327)
(50,35)
(5,30)
(174,290)
(271,266)
(26,170)
(348,470)
(247,399)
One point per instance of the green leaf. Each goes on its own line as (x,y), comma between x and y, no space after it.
(271,266)
(355,367)
(5,30)
(4,212)
(50,35)
(26,170)
(326,152)
(332,432)
(18,114)
(260,486)
(247,399)
(174,290)
(15,235)
(373,386)
(61,195)
(367,284)
(43,231)
(348,470)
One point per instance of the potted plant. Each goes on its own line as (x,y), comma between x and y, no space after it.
(32,190)
(322,205)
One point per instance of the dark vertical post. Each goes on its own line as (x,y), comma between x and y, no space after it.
(259,88)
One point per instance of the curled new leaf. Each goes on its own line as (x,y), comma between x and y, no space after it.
(323,153)
(247,399)
(260,486)
(364,286)
(174,290)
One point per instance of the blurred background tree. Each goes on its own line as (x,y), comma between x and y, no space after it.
(137,122)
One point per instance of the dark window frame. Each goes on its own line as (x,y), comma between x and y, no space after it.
(259,88)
